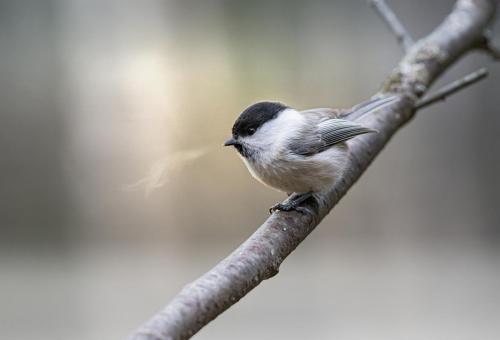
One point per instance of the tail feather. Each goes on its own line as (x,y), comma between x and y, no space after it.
(359,111)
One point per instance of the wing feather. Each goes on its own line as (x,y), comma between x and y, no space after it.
(329,127)
(325,135)
(334,131)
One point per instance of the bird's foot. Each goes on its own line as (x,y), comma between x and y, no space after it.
(292,203)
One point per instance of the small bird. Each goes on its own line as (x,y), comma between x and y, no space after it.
(298,152)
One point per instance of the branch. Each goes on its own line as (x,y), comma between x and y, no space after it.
(453,87)
(259,257)
(403,37)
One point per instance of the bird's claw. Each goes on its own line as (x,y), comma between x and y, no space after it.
(292,204)
(281,207)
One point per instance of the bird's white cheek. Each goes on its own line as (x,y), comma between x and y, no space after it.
(258,141)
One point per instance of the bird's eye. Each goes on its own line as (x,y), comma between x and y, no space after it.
(251,131)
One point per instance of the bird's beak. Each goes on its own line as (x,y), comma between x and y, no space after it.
(230,141)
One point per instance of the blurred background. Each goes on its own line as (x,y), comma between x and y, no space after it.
(116,191)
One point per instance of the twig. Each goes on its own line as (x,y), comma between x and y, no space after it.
(487,46)
(403,37)
(453,87)
(259,257)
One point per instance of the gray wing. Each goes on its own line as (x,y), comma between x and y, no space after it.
(326,134)
(334,131)
(330,127)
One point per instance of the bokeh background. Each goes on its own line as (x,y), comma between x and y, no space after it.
(115,190)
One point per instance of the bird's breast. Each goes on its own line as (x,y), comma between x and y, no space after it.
(289,173)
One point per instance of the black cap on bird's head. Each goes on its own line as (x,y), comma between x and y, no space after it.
(252,118)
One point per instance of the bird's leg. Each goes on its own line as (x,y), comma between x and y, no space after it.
(292,203)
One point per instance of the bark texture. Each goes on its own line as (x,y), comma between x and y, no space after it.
(259,257)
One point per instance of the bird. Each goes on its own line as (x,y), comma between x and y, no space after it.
(301,153)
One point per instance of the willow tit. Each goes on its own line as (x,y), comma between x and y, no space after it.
(300,152)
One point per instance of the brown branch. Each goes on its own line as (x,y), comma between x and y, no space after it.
(453,87)
(403,37)
(259,257)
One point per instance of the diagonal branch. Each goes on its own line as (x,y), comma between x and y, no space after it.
(453,87)
(259,257)
(403,37)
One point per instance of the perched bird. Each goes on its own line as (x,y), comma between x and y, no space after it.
(299,152)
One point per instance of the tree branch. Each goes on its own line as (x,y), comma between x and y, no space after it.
(453,87)
(403,37)
(259,257)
